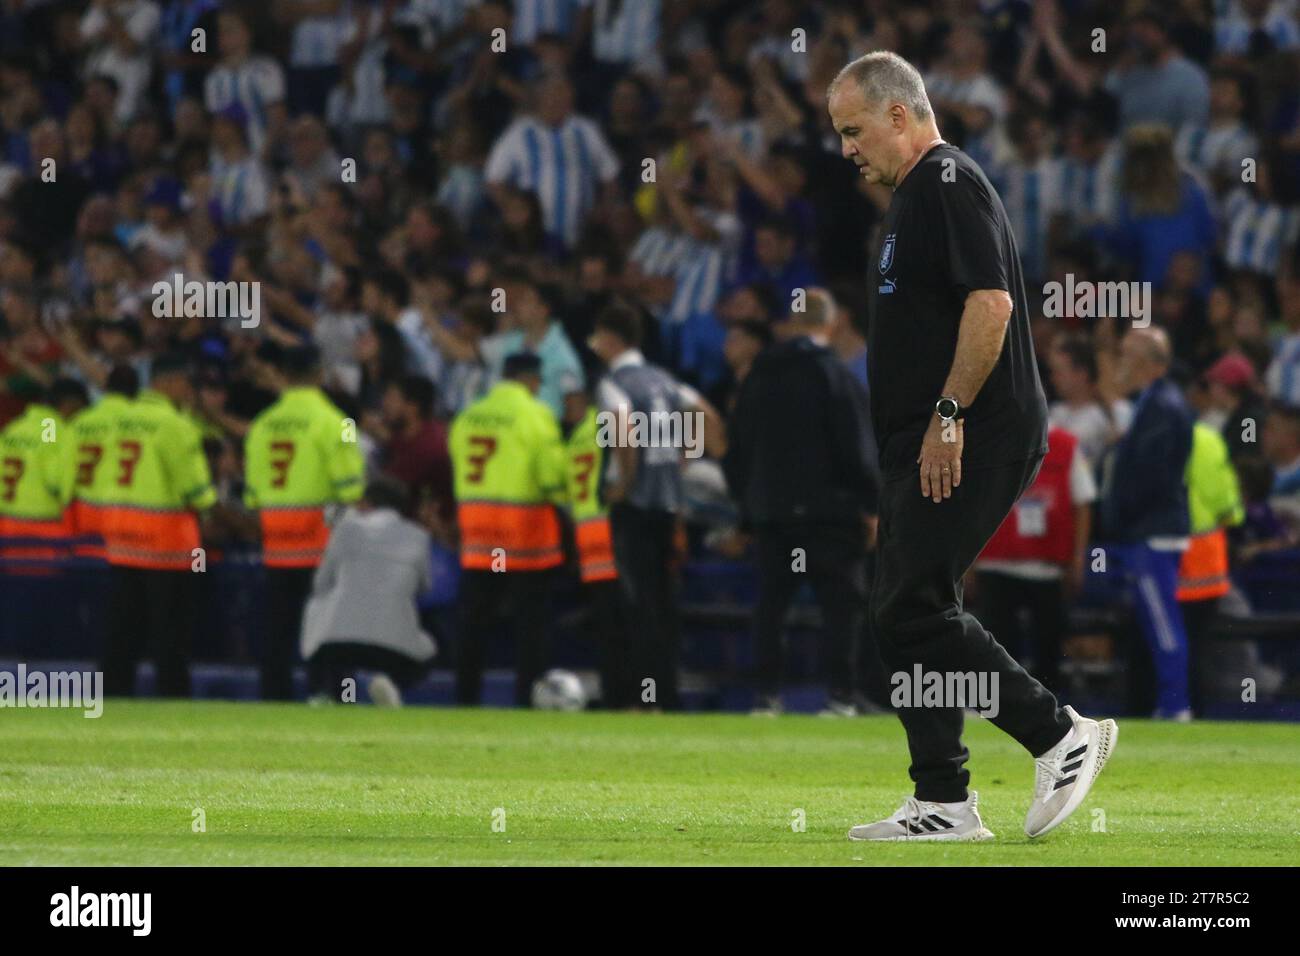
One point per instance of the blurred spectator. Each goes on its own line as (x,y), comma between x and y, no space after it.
(1257,228)
(247,80)
(629,130)
(727,111)
(713,232)
(312,161)
(1216,149)
(532,329)
(319,30)
(1032,190)
(28,354)
(240,187)
(1144,509)
(777,261)
(163,232)
(415,452)
(1079,407)
(1283,375)
(1215,504)
(1091,172)
(1163,212)
(181,63)
(510,469)
(302,456)
(1034,563)
(118,34)
(594,546)
(361,613)
(359,98)
(964,93)
(46,209)
(848,335)
(1254,28)
(1233,406)
(339,326)
(645,492)
(800,404)
(626,35)
(746,340)
(560,156)
(1281,445)
(461,189)
(1156,83)
(1264,530)
(537,18)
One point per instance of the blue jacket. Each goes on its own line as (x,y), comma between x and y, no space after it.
(799,443)
(1144,492)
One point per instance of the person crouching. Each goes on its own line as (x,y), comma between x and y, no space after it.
(362,612)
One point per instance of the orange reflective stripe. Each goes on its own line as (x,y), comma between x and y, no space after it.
(477,560)
(88,527)
(1203,572)
(150,538)
(87,518)
(595,550)
(591,573)
(293,537)
(11,527)
(527,535)
(155,559)
(34,540)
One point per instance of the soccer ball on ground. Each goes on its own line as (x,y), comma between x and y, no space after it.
(559,690)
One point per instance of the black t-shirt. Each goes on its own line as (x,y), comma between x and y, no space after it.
(940,241)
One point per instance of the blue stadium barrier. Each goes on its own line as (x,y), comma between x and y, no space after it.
(59,615)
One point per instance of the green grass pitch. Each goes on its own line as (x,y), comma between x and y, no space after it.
(352,785)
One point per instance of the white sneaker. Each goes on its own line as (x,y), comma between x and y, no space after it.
(838,708)
(768,705)
(383,692)
(922,820)
(1064,775)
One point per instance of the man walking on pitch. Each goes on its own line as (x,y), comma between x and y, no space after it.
(949,349)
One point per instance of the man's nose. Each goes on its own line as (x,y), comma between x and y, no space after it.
(847,149)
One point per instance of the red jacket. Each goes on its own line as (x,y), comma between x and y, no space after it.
(1041,525)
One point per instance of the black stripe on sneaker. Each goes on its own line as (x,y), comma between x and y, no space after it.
(1077,752)
(941,821)
(913,828)
(1062,783)
(928,825)
(1070,767)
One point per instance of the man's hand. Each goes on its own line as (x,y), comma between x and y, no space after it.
(615,493)
(940,458)
(1074,575)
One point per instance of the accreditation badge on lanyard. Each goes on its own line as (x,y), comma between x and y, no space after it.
(1031,517)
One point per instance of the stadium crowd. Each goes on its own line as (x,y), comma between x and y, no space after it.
(431,194)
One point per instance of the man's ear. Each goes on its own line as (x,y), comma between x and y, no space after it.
(898,117)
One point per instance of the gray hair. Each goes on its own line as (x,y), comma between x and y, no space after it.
(819,309)
(885,77)
(1155,344)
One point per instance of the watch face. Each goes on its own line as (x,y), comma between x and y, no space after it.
(947,408)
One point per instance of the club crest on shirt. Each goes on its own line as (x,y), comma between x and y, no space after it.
(887,254)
